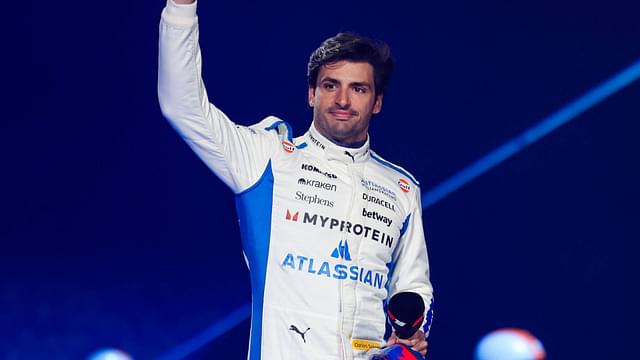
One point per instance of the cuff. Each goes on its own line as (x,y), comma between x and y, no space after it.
(180,14)
(428,320)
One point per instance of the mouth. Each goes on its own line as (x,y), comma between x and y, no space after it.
(342,114)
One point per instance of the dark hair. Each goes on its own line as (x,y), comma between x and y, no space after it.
(356,48)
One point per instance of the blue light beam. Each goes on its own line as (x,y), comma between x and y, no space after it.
(533,134)
(213,332)
(466,175)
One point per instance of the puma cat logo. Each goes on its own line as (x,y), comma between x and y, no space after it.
(294,328)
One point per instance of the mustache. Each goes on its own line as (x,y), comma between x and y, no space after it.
(340,108)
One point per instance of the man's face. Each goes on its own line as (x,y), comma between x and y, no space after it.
(344,100)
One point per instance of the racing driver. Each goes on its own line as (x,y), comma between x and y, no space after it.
(330,229)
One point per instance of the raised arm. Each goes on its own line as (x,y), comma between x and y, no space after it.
(237,155)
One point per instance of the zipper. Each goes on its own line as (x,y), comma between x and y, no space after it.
(354,187)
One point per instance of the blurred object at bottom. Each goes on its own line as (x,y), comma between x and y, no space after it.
(109,354)
(395,352)
(510,344)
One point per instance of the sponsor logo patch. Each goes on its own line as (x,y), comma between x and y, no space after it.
(292,216)
(377,216)
(313,199)
(341,251)
(364,345)
(367,232)
(317,184)
(372,186)
(404,185)
(288,146)
(378,201)
(334,270)
(312,168)
(316,142)
(301,333)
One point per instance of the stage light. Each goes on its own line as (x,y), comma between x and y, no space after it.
(510,344)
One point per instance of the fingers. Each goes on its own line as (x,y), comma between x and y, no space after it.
(417,342)
(392,340)
(421,347)
(408,342)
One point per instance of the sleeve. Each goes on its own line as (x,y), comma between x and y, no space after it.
(411,270)
(238,155)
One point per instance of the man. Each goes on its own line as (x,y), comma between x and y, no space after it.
(329,229)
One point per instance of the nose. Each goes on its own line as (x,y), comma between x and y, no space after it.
(342,98)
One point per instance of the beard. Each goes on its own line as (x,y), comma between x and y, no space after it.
(348,131)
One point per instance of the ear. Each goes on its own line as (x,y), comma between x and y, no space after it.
(311,96)
(377,105)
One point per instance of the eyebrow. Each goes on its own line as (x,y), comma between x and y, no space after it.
(336,81)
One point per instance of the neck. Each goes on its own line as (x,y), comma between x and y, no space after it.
(354,145)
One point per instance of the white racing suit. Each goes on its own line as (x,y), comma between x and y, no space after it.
(329,232)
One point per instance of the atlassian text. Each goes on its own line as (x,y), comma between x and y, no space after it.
(335,271)
(343,225)
(378,201)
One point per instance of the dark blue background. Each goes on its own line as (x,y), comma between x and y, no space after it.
(115,234)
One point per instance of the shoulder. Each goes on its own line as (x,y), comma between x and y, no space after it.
(280,130)
(272,124)
(405,179)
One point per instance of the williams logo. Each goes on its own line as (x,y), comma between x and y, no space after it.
(376,216)
(332,270)
(404,185)
(315,199)
(371,186)
(309,167)
(288,146)
(317,184)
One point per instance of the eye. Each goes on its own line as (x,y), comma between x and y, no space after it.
(360,89)
(329,86)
